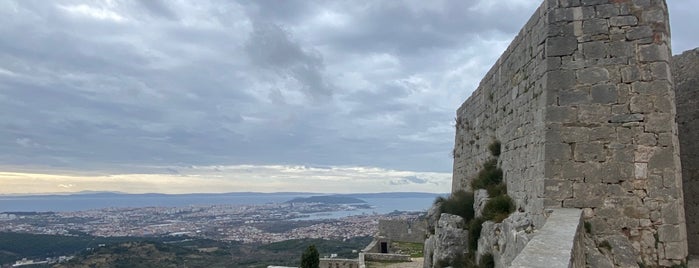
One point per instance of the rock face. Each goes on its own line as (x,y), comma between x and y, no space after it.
(506,239)
(448,244)
(480,198)
(685,71)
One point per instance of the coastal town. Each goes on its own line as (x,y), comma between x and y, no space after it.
(265,223)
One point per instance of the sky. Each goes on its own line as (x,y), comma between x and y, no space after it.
(226,96)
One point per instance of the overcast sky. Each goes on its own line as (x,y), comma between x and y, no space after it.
(220,96)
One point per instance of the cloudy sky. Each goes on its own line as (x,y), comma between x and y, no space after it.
(221,96)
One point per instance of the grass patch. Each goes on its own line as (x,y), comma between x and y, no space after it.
(415,250)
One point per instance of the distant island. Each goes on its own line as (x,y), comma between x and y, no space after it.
(327,199)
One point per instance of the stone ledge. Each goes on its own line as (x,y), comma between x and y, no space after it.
(555,244)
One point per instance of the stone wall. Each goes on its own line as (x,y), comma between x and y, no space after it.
(685,71)
(583,103)
(413,231)
(378,257)
(508,107)
(338,263)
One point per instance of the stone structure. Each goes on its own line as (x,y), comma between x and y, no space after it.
(403,230)
(583,104)
(338,263)
(560,244)
(685,71)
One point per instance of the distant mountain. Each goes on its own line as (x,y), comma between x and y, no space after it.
(327,199)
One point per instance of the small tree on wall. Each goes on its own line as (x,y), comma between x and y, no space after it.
(310,258)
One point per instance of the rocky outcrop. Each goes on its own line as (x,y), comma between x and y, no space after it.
(506,239)
(449,242)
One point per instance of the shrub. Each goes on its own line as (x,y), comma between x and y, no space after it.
(459,203)
(487,261)
(496,190)
(495,148)
(498,208)
(474,233)
(489,175)
(605,244)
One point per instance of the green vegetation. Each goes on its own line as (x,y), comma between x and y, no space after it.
(498,207)
(459,203)
(495,148)
(487,261)
(343,249)
(310,258)
(168,251)
(415,250)
(490,179)
(15,246)
(474,232)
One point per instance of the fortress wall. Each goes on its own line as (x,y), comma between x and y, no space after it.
(583,104)
(611,138)
(685,71)
(508,106)
(413,231)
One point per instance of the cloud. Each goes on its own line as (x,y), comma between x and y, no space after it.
(270,47)
(217,179)
(159,8)
(93,12)
(115,87)
(409,180)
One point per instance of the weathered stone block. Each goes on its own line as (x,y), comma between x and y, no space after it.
(669,233)
(589,152)
(659,123)
(561,114)
(604,94)
(641,104)
(607,10)
(653,52)
(595,50)
(621,49)
(595,26)
(625,118)
(653,16)
(561,46)
(560,80)
(623,21)
(639,32)
(593,75)
(573,97)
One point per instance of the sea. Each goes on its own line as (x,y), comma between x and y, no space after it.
(380,203)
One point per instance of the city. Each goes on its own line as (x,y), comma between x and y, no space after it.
(265,223)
